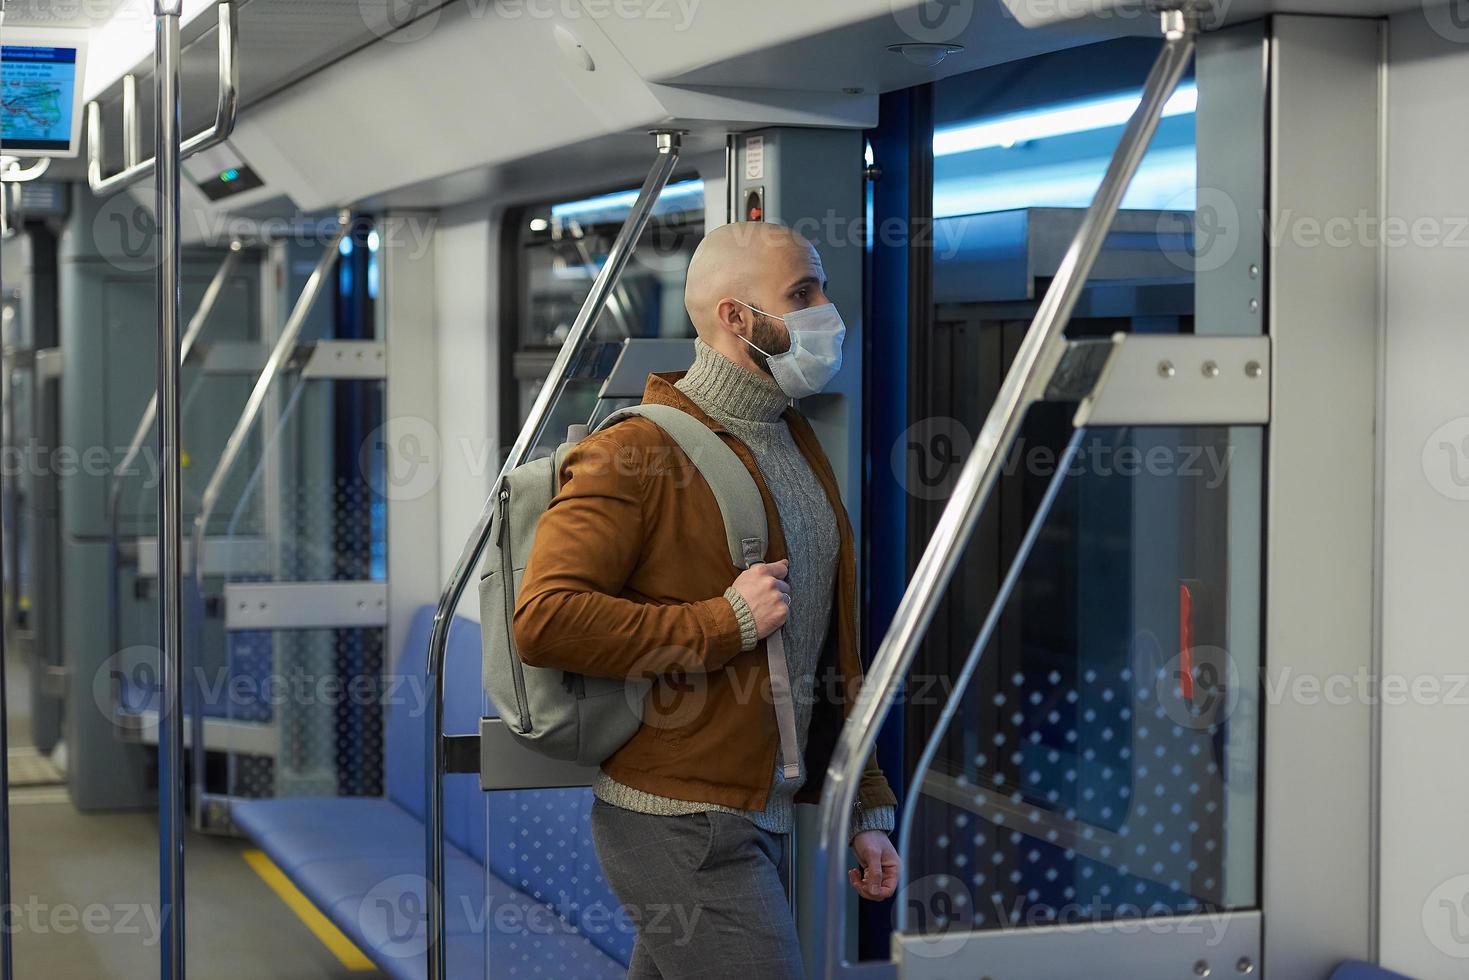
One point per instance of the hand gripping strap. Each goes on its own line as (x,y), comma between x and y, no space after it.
(746,534)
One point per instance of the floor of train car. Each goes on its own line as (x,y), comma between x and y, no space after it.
(84,892)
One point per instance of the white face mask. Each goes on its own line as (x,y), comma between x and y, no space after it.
(815,355)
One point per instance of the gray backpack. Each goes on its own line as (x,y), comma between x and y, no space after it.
(574,717)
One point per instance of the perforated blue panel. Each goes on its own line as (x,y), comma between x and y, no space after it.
(541,842)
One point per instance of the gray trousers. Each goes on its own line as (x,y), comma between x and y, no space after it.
(706,892)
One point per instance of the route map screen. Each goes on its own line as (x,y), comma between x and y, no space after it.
(38,85)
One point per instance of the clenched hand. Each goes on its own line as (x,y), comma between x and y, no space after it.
(767,593)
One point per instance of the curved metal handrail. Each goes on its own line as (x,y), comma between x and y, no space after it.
(1024,384)
(627,238)
(976,651)
(279,354)
(285,344)
(14,173)
(225,112)
(145,425)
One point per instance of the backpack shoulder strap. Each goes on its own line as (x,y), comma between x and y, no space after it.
(740,503)
(743,510)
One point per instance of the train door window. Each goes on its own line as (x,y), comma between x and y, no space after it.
(555,251)
(1103,762)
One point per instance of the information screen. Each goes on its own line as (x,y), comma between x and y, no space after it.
(39,85)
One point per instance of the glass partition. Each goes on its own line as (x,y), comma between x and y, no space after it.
(1103,763)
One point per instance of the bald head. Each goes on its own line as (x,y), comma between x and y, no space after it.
(765,265)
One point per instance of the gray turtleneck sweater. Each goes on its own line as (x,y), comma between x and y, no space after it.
(750,406)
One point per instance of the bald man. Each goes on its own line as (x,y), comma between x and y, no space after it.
(630,577)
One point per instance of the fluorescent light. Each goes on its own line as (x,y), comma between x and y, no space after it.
(1166,181)
(1084,117)
(126,39)
(626,199)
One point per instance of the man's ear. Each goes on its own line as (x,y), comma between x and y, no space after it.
(734,318)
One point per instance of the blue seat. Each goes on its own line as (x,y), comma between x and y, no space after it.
(1364,971)
(539,902)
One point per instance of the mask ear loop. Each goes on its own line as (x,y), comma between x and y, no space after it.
(790,402)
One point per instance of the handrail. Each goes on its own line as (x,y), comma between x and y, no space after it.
(225,111)
(285,344)
(976,652)
(622,248)
(279,354)
(145,425)
(1024,384)
(14,173)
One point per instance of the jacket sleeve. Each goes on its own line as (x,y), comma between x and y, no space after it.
(569,614)
(876,805)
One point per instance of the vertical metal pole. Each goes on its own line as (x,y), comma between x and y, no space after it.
(617,259)
(6,925)
(731,177)
(170,528)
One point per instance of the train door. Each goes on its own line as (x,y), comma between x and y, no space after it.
(1081,726)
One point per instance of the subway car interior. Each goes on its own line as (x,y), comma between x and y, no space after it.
(1151,428)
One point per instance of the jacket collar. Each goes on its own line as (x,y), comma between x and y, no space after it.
(660,390)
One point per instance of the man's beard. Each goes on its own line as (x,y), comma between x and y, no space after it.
(767,336)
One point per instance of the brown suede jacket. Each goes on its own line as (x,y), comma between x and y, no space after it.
(627,579)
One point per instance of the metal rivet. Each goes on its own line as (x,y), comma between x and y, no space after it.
(1254,272)
(262,605)
(1211,369)
(1165,369)
(1245,965)
(1201,969)
(1254,306)
(361,604)
(1253,369)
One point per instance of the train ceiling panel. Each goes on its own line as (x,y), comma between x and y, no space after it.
(341,106)
(1135,16)
(830,46)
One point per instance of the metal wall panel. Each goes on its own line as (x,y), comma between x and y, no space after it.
(1323,303)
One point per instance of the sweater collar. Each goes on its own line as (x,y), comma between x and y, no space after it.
(722,388)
